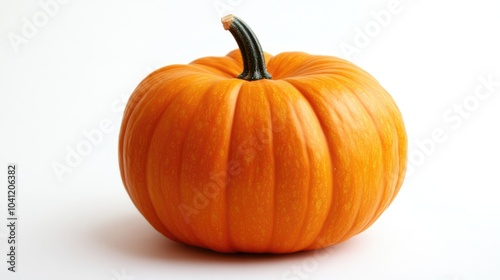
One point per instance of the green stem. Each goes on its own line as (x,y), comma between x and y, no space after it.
(254,64)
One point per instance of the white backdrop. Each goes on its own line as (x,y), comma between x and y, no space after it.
(68,67)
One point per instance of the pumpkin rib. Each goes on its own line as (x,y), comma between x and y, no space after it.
(402,164)
(381,195)
(329,149)
(158,86)
(384,199)
(148,185)
(392,179)
(314,240)
(271,143)
(161,118)
(310,160)
(196,240)
(231,94)
(189,128)
(285,240)
(402,155)
(392,182)
(399,170)
(347,231)
(393,195)
(203,99)
(293,119)
(374,122)
(399,128)
(302,223)
(380,210)
(230,244)
(253,193)
(129,109)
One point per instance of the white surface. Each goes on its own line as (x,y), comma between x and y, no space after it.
(76,69)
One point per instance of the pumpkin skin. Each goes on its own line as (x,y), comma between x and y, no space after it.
(301,161)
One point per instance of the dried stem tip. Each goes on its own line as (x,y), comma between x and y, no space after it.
(227,21)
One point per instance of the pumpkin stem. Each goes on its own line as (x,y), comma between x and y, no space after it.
(254,64)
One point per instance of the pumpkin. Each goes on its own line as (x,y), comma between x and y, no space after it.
(297,152)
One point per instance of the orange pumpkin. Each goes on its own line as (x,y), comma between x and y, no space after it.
(252,163)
